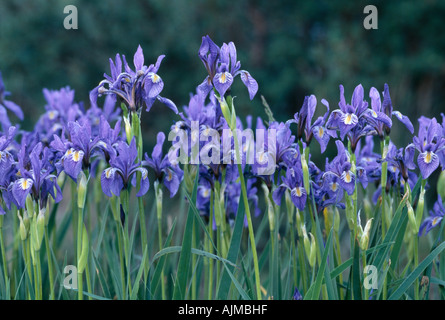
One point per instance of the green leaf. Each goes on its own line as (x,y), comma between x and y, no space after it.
(409,280)
(135,289)
(314,291)
(234,248)
(184,259)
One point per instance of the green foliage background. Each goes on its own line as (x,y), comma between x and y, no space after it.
(293,48)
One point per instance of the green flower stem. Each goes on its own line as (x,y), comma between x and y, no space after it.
(50,264)
(230,116)
(120,242)
(80,286)
(294,253)
(88,277)
(416,263)
(249,219)
(384,148)
(3,250)
(158,196)
(339,261)
(126,239)
(210,247)
(366,293)
(26,259)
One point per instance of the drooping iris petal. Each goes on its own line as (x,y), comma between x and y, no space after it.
(298,197)
(222,82)
(405,120)
(111,182)
(72,162)
(153,85)
(20,190)
(145,184)
(250,83)
(278,193)
(168,103)
(427,161)
(171,181)
(14,108)
(321,135)
(347,181)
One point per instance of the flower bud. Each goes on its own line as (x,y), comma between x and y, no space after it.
(128,129)
(29,205)
(270,209)
(364,239)
(225,110)
(299,220)
(22,228)
(39,227)
(159,193)
(305,168)
(441,185)
(412,219)
(349,211)
(336,220)
(310,246)
(420,206)
(82,183)
(313,251)
(290,207)
(367,208)
(83,260)
(328,218)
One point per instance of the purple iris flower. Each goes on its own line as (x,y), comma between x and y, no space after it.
(297,295)
(36,178)
(399,161)
(79,151)
(135,88)
(167,173)
(435,218)
(430,142)
(318,129)
(7,105)
(386,108)
(339,171)
(222,67)
(356,120)
(6,158)
(293,181)
(122,171)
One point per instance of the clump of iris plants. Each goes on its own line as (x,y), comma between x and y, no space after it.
(221,207)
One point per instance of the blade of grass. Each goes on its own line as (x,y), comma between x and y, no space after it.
(409,280)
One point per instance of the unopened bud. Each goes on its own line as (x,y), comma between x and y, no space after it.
(305,168)
(83,260)
(22,228)
(412,219)
(128,129)
(40,229)
(270,209)
(82,183)
(420,206)
(289,206)
(328,218)
(313,251)
(441,185)
(364,239)
(336,220)
(367,207)
(29,205)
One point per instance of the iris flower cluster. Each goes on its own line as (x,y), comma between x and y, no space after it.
(78,142)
